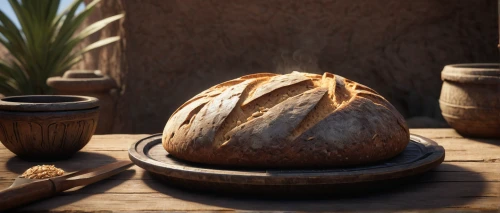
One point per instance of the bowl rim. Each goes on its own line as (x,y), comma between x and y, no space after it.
(480,66)
(476,73)
(75,102)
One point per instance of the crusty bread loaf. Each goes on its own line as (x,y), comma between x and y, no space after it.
(297,120)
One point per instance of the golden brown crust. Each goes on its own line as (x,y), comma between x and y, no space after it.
(297,120)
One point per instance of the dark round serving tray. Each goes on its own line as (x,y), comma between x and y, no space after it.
(420,155)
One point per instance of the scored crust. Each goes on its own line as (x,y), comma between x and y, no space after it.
(297,120)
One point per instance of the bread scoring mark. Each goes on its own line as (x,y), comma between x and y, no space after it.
(178,119)
(338,96)
(273,84)
(351,85)
(212,116)
(226,84)
(361,87)
(343,94)
(271,130)
(271,99)
(312,76)
(187,103)
(328,81)
(237,114)
(192,114)
(258,75)
(212,91)
(322,109)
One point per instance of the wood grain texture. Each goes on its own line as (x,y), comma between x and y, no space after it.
(468,181)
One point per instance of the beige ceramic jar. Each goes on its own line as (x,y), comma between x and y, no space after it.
(470,99)
(90,83)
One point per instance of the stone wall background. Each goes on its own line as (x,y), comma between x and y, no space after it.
(173,49)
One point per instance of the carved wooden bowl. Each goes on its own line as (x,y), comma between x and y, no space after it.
(47,127)
(470,99)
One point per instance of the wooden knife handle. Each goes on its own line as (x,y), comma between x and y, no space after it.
(26,193)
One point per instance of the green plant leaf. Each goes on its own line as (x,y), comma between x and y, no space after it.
(98,25)
(79,38)
(100,43)
(61,44)
(14,41)
(11,79)
(45,44)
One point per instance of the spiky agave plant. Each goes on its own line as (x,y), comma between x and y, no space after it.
(45,44)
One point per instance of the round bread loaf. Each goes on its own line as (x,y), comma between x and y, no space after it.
(297,120)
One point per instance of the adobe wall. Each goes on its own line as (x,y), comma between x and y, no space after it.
(174,49)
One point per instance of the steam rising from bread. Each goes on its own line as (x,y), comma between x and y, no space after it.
(303,55)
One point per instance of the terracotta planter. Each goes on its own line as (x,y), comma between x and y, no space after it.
(89,83)
(470,99)
(47,127)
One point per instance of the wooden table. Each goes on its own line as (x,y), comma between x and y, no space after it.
(467,181)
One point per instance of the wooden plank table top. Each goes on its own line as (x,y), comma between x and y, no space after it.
(468,181)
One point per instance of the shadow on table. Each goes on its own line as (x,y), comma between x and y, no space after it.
(490,141)
(447,186)
(81,160)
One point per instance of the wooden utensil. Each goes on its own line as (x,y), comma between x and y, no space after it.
(24,190)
